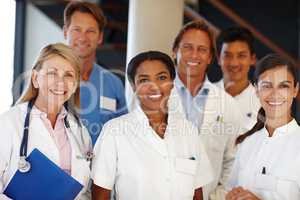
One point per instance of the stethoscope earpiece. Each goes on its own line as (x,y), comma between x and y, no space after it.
(23,165)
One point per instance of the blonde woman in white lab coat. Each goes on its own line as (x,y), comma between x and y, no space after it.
(53,91)
(268,159)
(152,152)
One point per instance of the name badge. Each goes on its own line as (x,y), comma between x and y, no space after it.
(108,103)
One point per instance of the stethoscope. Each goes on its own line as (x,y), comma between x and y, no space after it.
(24,166)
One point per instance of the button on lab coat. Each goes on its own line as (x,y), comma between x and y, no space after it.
(269,166)
(11,133)
(134,160)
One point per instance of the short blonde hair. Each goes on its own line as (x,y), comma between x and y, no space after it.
(57,49)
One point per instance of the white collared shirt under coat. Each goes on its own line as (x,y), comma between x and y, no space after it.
(132,159)
(269,166)
(221,124)
(11,133)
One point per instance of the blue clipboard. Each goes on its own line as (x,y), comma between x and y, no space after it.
(45,181)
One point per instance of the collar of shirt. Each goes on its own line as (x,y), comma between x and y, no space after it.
(95,74)
(220,84)
(193,106)
(141,116)
(59,136)
(175,111)
(248,90)
(183,91)
(284,130)
(37,112)
(147,132)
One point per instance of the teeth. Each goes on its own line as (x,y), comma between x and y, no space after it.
(192,63)
(58,92)
(155,96)
(82,46)
(275,103)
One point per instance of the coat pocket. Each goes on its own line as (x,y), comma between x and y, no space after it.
(287,189)
(277,188)
(186,170)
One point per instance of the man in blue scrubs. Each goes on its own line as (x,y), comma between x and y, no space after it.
(101,92)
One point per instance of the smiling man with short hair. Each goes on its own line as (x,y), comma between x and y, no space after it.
(236,57)
(101,92)
(205,105)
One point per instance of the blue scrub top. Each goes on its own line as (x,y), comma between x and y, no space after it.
(101,98)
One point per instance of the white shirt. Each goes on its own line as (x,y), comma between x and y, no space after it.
(134,160)
(278,156)
(11,133)
(247,102)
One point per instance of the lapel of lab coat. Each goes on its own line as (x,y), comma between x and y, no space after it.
(146,134)
(78,162)
(213,108)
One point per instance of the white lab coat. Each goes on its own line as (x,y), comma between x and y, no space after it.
(133,159)
(221,123)
(279,155)
(11,133)
(247,102)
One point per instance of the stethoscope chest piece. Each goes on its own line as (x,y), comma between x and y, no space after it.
(89,156)
(23,165)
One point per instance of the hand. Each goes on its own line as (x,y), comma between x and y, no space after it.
(240,193)
(99,193)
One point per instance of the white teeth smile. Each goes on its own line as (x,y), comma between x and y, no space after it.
(58,92)
(155,96)
(192,63)
(82,46)
(275,103)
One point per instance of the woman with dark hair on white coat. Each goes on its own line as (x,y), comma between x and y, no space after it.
(268,159)
(152,152)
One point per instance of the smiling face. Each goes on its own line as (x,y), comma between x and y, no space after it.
(83,34)
(235,60)
(193,54)
(153,84)
(276,90)
(55,81)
